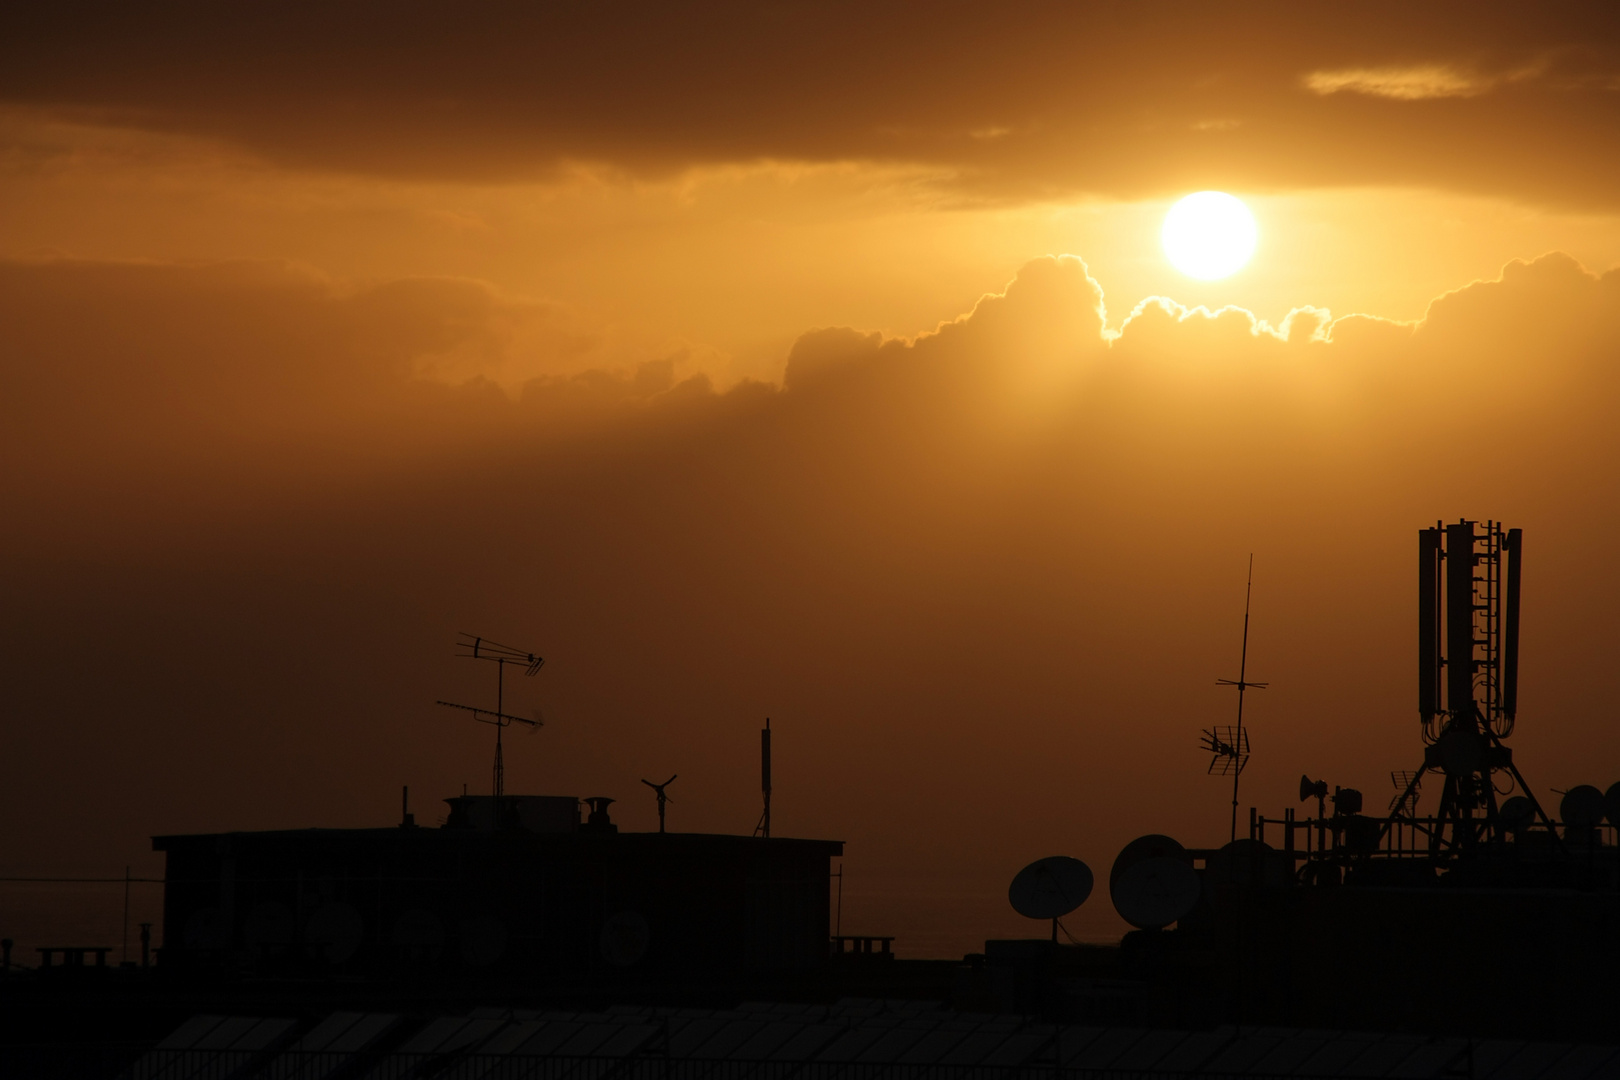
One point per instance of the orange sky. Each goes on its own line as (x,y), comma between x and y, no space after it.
(786,360)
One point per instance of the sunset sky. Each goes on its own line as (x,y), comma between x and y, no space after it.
(812,361)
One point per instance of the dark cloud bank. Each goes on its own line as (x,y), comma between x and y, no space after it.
(1028,98)
(983,581)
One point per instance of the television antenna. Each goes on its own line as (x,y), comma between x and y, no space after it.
(481,648)
(1231,745)
(658,789)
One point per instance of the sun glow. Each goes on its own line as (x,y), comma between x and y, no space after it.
(1209,235)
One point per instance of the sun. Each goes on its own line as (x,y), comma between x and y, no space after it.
(1209,235)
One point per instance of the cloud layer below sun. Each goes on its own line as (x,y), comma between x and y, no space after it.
(1001,559)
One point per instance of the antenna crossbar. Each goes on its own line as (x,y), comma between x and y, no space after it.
(490,716)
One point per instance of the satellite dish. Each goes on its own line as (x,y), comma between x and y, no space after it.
(482,940)
(269,926)
(418,935)
(206,929)
(1153,883)
(1246,863)
(625,937)
(1611,804)
(337,930)
(1050,888)
(1582,808)
(1151,846)
(1516,812)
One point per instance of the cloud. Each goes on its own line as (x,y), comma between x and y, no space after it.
(1050,97)
(1003,559)
(1419,83)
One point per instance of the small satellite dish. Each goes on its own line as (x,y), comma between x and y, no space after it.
(337,930)
(625,937)
(1611,804)
(1050,888)
(1582,807)
(269,926)
(206,929)
(1153,883)
(1516,812)
(482,940)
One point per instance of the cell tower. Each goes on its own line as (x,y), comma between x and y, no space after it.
(1468,679)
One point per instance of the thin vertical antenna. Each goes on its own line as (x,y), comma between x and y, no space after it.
(123,952)
(838,920)
(763,829)
(500,764)
(1242,683)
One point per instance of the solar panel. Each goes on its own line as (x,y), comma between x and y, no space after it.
(1193,1051)
(1243,1051)
(804,1045)
(1150,1049)
(1430,1059)
(1333,1057)
(627,1040)
(933,1045)
(1383,1055)
(848,1046)
(550,1035)
(975,1047)
(889,1045)
(186,1035)
(1585,1061)
(1105,1049)
(1529,1063)
(1017,1048)
(227,1031)
(322,1034)
(1491,1054)
(759,1046)
(265,1033)
(1291,1052)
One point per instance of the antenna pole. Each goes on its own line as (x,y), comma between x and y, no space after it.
(500,765)
(1242,685)
(838,919)
(483,649)
(763,829)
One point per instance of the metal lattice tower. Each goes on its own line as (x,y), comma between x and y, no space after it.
(1468,662)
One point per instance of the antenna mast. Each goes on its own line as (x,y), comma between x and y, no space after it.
(763,829)
(478,648)
(1231,745)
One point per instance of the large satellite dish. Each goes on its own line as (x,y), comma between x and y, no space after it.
(1050,888)
(1582,807)
(1516,813)
(1611,804)
(1153,883)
